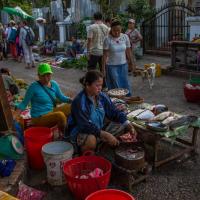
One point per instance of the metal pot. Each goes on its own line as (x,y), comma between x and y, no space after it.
(130,156)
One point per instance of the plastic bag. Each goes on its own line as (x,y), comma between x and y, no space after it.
(97,172)
(28,193)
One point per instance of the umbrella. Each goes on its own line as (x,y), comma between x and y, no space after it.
(17,11)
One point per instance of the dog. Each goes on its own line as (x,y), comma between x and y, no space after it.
(148,74)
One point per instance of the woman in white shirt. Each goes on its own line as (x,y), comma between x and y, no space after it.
(116,53)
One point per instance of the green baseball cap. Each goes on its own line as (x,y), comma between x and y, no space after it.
(44,68)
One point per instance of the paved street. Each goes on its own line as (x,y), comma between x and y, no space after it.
(175,181)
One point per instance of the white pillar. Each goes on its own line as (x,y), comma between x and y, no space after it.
(41,32)
(62,32)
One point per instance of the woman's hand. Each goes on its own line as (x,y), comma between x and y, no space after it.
(109,138)
(16,114)
(129,128)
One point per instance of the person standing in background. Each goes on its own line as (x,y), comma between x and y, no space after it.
(95,37)
(7,30)
(27,49)
(108,22)
(135,37)
(19,48)
(1,41)
(12,34)
(116,55)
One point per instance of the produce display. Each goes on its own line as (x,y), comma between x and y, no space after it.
(80,63)
(21,83)
(133,100)
(118,92)
(158,119)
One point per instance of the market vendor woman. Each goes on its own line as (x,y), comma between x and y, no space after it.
(42,95)
(88,111)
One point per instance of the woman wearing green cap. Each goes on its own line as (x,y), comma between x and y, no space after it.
(42,95)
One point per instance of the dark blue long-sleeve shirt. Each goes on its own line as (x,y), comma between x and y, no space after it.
(81,112)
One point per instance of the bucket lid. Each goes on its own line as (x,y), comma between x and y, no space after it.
(16,144)
(57,148)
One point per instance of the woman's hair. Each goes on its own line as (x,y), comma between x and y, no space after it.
(5,71)
(90,77)
(108,20)
(115,22)
(12,22)
(25,23)
(97,16)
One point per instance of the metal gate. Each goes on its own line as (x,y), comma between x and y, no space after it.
(168,24)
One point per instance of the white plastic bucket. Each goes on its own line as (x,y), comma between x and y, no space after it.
(55,154)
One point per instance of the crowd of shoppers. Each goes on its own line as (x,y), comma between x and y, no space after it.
(15,39)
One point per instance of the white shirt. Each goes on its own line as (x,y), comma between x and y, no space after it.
(117,49)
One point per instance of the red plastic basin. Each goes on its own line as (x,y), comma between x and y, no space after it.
(110,194)
(81,188)
(35,138)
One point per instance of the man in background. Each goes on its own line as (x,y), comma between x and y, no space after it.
(95,37)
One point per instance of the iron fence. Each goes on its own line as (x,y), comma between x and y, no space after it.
(168,24)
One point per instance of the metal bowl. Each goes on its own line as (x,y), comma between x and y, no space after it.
(157,126)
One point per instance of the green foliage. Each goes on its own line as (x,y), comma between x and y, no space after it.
(23,4)
(81,30)
(140,9)
(41,3)
(109,7)
(80,63)
(123,18)
(26,7)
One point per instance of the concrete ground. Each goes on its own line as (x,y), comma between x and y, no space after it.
(175,181)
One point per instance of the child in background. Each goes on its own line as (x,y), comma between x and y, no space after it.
(74,49)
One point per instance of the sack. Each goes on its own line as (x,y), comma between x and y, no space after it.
(13,89)
(13,35)
(29,37)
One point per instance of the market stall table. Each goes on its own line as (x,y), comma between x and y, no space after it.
(154,138)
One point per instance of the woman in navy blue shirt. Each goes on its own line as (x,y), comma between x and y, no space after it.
(88,111)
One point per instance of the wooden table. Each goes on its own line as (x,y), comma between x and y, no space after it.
(153,138)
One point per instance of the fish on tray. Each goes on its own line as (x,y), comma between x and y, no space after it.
(162,116)
(184,120)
